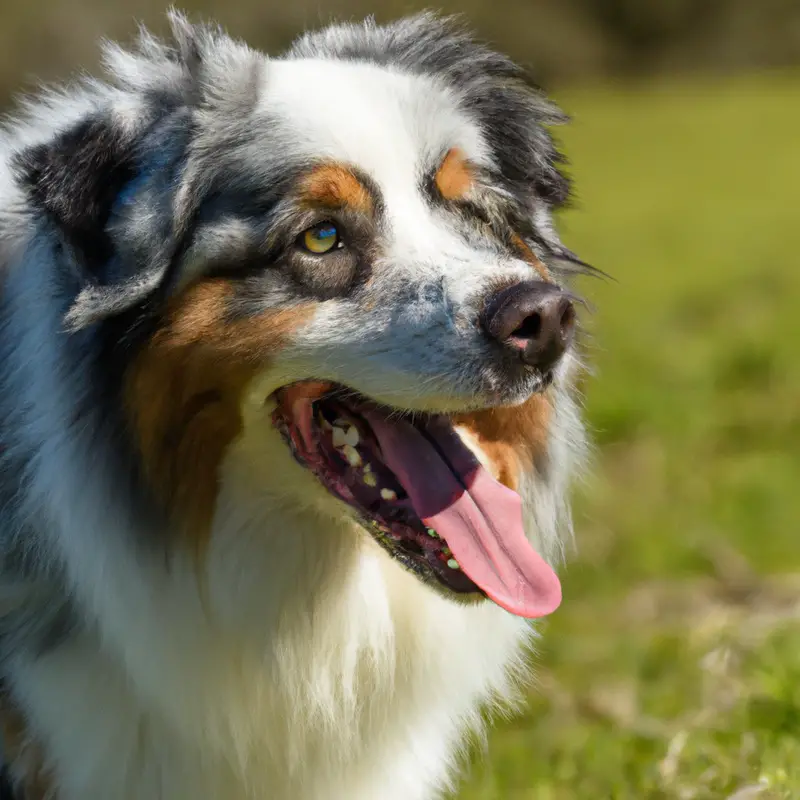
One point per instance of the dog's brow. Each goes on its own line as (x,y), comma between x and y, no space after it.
(454,177)
(338,186)
(527,254)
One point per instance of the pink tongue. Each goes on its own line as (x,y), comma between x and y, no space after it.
(480,518)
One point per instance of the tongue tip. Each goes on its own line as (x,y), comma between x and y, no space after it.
(530,604)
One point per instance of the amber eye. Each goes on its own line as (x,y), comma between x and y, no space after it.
(321,239)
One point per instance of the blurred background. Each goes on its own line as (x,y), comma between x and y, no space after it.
(672,669)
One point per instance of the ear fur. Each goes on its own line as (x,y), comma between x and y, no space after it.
(74,180)
(108,186)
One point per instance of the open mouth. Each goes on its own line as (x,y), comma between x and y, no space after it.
(420,492)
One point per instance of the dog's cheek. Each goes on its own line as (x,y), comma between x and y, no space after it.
(184,391)
(498,458)
(508,440)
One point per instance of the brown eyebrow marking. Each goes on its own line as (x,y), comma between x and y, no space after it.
(525,251)
(454,178)
(337,187)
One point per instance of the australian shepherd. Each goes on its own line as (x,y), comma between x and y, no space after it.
(287,419)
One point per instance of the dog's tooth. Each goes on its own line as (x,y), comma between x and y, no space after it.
(367,467)
(432,532)
(453,564)
(388,494)
(339,437)
(351,436)
(446,550)
(352,455)
(370,479)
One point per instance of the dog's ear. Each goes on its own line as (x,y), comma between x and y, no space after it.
(84,181)
(108,185)
(74,179)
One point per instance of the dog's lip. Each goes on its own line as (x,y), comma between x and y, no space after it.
(311,389)
(302,393)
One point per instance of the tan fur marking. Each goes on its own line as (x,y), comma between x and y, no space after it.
(454,178)
(183,395)
(335,186)
(22,755)
(531,257)
(510,435)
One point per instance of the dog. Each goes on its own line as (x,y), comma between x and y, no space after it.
(288,414)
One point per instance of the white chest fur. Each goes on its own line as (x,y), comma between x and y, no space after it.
(367,693)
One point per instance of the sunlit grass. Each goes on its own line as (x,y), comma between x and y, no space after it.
(673,668)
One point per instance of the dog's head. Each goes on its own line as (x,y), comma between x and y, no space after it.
(344,258)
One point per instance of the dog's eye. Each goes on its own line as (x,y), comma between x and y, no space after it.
(320,239)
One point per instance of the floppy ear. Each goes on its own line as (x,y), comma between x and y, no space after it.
(84,181)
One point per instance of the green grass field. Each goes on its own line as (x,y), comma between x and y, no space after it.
(672,669)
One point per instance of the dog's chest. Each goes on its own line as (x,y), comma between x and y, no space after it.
(371,702)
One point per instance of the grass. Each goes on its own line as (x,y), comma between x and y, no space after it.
(673,668)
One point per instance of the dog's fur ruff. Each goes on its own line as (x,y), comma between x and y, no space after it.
(185,612)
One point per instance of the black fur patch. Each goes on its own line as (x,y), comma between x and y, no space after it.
(75,178)
(84,179)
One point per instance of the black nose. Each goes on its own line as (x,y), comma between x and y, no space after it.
(537,319)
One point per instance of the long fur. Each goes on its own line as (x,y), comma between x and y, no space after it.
(271,650)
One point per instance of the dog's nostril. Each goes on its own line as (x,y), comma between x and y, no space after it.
(531,327)
(533,318)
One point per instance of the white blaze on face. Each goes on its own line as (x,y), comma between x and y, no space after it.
(392,126)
